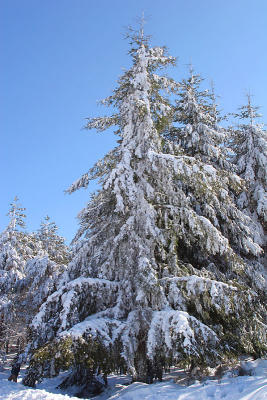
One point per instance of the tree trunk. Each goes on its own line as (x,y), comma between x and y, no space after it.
(144,368)
(33,375)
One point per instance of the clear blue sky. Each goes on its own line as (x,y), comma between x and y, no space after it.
(59,57)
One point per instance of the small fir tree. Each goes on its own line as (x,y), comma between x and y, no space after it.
(52,244)
(249,143)
(30,267)
(15,248)
(250,146)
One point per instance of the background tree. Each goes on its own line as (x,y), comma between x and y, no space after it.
(15,248)
(30,267)
(249,143)
(52,244)
(250,146)
(15,245)
(196,116)
(42,277)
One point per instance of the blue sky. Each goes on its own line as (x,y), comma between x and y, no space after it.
(59,57)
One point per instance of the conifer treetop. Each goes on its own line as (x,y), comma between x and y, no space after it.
(248,111)
(196,116)
(138,90)
(16,215)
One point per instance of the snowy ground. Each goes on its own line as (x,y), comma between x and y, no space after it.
(230,387)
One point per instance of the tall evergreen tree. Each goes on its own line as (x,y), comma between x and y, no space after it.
(154,279)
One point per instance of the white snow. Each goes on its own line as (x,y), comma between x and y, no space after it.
(170,327)
(230,387)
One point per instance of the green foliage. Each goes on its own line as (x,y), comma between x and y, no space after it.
(59,351)
(68,352)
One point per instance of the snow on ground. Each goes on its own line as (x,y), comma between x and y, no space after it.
(16,391)
(230,387)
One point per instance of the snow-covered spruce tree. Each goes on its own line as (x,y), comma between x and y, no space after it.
(250,147)
(31,265)
(43,272)
(199,135)
(16,247)
(197,132)
(153,281)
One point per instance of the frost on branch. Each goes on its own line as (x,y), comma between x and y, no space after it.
(177,334)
